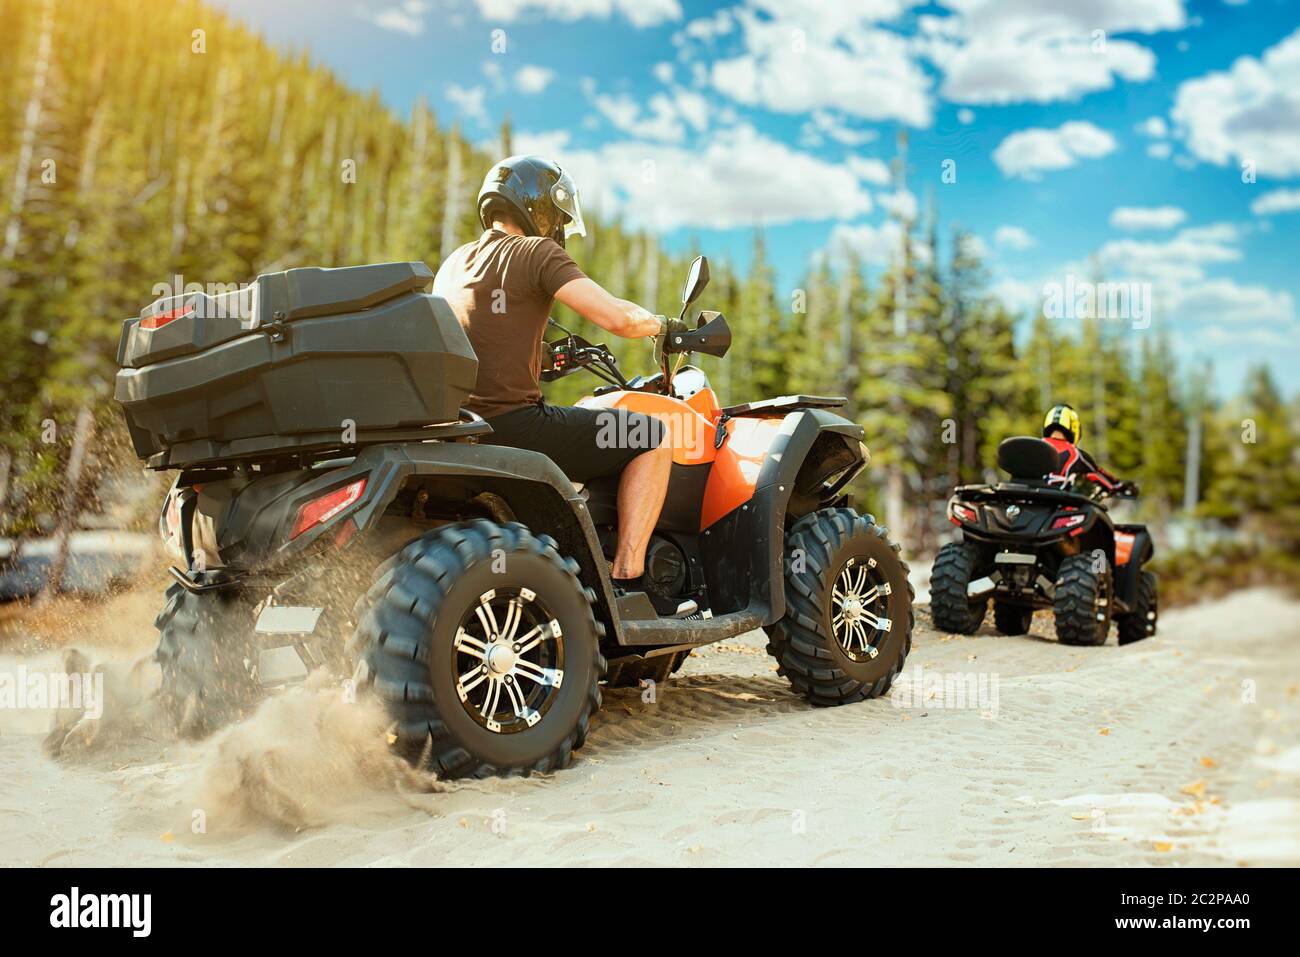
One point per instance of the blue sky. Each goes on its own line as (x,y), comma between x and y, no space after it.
(1081,132)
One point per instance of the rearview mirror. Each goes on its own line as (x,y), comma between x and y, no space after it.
(696,280)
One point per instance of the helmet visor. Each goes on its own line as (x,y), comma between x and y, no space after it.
(565,196)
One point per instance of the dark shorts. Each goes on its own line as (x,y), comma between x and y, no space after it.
(585,443)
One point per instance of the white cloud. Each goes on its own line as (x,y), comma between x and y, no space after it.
(1027,152)
(692,107)
(824,124)
(1019,297)
(1277,201)
(1013,237)
(552,144)
(965,116)
(974,246)
(1010,70)
(1180,259)
(1181,290)
(707,29)
(800,65)
(533,79)
(902,204)
(1250,112)
(406,17)
(1213,233)
(1147,217)
(663,72)
(1012,51)
(870,170)
(1154,127)
(664,119)
(876,245)
(640,13)
(736,179)
(1225,337)
(469,100)
(828,20)
(1159,150)
(1217,301)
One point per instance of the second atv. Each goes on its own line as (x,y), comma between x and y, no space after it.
(334,509)
(1028,543)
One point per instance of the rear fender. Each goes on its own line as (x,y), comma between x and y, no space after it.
(252,520)
(1128,574)
(530,485)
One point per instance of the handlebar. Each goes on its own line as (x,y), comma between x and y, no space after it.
(566,355)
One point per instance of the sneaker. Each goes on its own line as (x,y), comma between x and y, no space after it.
(641,605)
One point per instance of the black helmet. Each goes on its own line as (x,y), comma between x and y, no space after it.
(536,192)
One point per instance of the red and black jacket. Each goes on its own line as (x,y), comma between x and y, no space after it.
(1077,465)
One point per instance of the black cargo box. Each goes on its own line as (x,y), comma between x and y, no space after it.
(296,361)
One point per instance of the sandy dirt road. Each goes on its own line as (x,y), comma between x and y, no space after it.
(1183,749)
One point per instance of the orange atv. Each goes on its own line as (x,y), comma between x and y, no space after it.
(465,585)
(756,530)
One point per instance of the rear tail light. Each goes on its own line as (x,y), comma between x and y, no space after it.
(160,319)
(320,510)
(964,513)
(1068,521)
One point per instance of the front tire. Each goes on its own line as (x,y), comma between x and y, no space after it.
(1141,622)
(482,643)
(1083,602)
(847,627)
(951,608)
(205,645)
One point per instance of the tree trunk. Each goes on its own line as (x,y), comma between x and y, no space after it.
(6,469)
(27,139)
(896,504)
(81,440)
(651,281)
(1192,477)
(451,202)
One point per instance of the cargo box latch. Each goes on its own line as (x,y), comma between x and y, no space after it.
(276,328)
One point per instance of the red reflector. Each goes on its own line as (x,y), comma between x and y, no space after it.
(160,319)
(964,513)
(321,510)
(1068,521)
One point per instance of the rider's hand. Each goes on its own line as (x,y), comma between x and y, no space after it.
(670,329)
(673,327)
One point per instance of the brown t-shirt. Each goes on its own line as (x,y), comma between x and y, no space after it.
(501,288)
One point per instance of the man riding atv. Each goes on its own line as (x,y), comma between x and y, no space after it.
(1045,540)
(501,287)
(339,505)
(1062,428)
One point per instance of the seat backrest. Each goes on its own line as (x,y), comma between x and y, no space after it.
(1027,458)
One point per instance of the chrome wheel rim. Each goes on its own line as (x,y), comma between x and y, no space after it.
(859,609)
(508,659)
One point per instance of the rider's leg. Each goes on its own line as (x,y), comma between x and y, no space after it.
(641,492)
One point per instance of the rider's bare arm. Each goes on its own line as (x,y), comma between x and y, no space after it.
(591,301)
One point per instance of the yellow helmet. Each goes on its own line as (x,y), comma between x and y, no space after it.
(1063,417)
